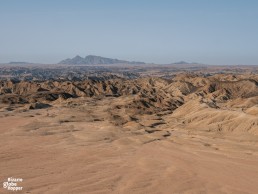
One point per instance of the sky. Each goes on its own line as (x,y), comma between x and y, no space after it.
(219,32)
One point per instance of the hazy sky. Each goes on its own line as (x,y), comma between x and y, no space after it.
(160,31)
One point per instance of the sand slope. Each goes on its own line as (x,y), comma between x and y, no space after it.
(190,134)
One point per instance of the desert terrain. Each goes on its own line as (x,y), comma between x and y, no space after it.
(161,130)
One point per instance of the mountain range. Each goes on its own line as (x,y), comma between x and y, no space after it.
(95,60)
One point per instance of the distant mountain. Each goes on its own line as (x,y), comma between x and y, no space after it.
(94,60)
(181,62)
(19,63)
(187,64)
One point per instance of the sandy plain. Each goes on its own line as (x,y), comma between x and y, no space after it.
(80,146)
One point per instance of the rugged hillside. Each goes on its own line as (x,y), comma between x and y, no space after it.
(145,135)
(212,103)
